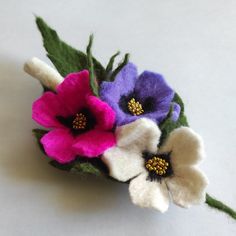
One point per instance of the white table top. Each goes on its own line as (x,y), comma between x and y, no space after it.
(192,43)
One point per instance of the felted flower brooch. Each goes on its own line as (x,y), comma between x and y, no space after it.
(118,123)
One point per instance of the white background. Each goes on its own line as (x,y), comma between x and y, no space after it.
(193,43)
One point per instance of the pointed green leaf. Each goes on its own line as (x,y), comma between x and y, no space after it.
(168,125)
(64,57)
(93,82)
(99,71)
(109,67)
(83,166)
(86,168)
(119,68)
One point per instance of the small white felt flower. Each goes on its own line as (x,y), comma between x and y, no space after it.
(154,173)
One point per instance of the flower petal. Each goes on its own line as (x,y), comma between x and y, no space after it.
(186,147)
(46,108)
(123,84)
(111,92)
(151,194)
(93,143)
(188,186)
(73,90)
(105,116)
(176,111)
(58,145)
(153,86)
(123,118)
(123,164)
(142,134)
(150,84)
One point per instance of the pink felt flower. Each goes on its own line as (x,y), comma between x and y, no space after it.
(81,123)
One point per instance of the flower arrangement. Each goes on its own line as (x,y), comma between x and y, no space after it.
(116,123)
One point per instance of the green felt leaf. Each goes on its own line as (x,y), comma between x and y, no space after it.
(64,57)
(86,168)
(83,166)
(119,67)
(110,64)
(99,71)
(168,125)
(93,81)
(39,133)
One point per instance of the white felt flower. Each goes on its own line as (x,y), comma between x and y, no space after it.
(156,174)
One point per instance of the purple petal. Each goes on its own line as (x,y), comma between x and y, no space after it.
(124,83)
(149,87)
(150,84)
(176,111)
(153,85)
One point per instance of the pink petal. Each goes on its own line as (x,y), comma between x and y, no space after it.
(73,90)
(105,116)
(46,108)
(94,143)
(58,145)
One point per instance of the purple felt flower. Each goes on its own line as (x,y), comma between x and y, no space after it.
(133,97)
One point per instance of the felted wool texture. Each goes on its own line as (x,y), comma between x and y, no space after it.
(149,194)
(186,146)
(73,96)
(124,160)
(214,203)
(48,76)
(176,111)
(187,184)
(148,88)
(57,143)
(93,143)
(123,164)
(73,91)
(70,98)
(64,57)
(105,115)
(142,134)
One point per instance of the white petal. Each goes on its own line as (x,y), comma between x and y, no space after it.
(142,134)
(123,164)
(186,147)
(151,194)
(187,186)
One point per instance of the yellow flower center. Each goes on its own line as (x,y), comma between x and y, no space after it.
(158,165)
(135,107)
(80,121)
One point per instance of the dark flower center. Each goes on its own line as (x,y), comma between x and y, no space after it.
(158,166)
(132,105)
(79,123)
